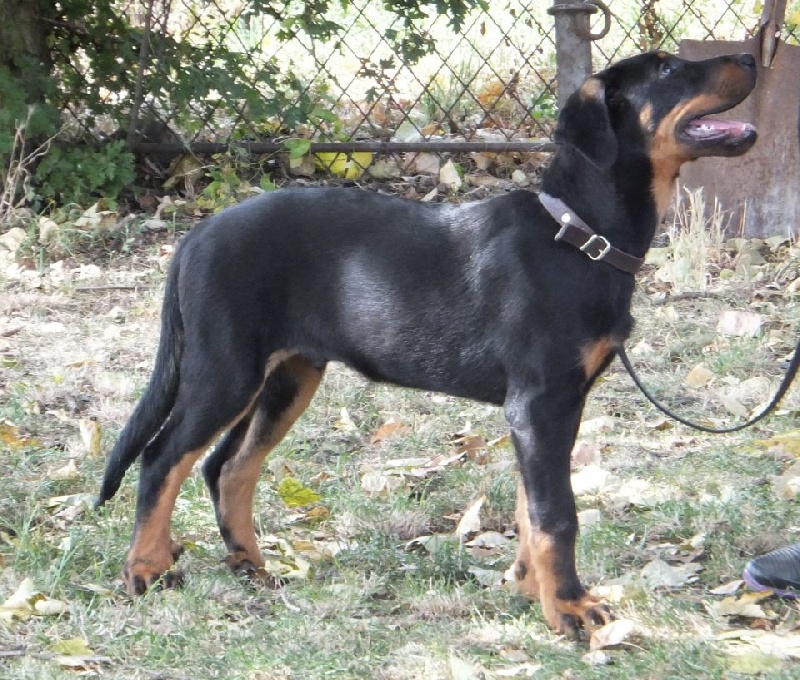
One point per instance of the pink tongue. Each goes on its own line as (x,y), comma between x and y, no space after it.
(715,126)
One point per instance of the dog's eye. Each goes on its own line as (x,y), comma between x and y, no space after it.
(666,69)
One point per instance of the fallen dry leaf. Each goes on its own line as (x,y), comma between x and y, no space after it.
(459,669)
(614,593)
(586,453)
(746,606)
(514,655)
(787,443)
(752,662)
(787,485)
(345,422)
(11,437)
(90,436)
(727,588)
(661,425)
(71,647)
(279,467)
(295,495)
(642,493)
(391,428)
(597,657)
(502,441)
(734,406)
(699,376)
(489,540)
(66,472)
(488,578)
(740,324)
(81,662)
(777,645)
(599,425)
(611,635)
(431,544)
(659,574)
(470,522)
(523,670)
(473,446)
(47,607)
(282,561)
(587,518)
(450,176)
(27,601)
(380,484)
(591,479)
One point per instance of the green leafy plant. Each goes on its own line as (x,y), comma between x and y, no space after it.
(81,175)
(544,106)
(231,180)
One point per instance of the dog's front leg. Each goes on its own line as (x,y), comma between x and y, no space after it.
(543,430)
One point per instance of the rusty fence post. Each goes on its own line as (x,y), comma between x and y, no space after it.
(573,43)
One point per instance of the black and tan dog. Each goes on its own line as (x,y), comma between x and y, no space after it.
(511,301)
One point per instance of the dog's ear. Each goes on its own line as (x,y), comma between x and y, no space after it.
(585,124)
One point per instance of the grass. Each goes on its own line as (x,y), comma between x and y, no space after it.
(381,608)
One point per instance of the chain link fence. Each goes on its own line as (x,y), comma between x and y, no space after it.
(257,79)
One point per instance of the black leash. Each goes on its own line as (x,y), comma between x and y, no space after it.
(782,389)
(577,233)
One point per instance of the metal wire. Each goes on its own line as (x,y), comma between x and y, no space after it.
(491,81)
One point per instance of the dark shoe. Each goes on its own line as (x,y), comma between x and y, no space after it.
(778,570)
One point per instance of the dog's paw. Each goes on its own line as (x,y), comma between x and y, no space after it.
(253,570)
(239,562)
(141,575)
(574,618)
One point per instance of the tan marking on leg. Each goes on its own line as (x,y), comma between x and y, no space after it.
(538,579)
(543,561)
(275,359)
(524,569)
(587,610)
(239,475)
(152,551)
(594,354)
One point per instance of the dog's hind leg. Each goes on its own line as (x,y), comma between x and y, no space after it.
(232,471)
(214,395)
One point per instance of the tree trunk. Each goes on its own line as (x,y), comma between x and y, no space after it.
(23,43)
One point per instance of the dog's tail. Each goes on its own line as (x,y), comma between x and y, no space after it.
(158,399)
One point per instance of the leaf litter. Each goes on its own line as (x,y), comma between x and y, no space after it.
(612,488)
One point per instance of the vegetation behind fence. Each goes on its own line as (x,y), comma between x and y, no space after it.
(491,76)
(172,73)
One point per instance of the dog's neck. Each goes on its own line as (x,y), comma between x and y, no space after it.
(617,203)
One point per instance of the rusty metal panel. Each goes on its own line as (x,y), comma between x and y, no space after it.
(761,190)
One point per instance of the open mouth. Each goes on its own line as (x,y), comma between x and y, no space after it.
(704,128)
(715,136)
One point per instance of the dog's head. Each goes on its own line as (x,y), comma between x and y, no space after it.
(663,107)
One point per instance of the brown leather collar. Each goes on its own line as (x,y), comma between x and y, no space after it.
(579,234)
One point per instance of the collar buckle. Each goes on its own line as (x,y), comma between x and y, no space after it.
(573,230)
(599,241)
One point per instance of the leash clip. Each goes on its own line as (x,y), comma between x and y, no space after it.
(601,241)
